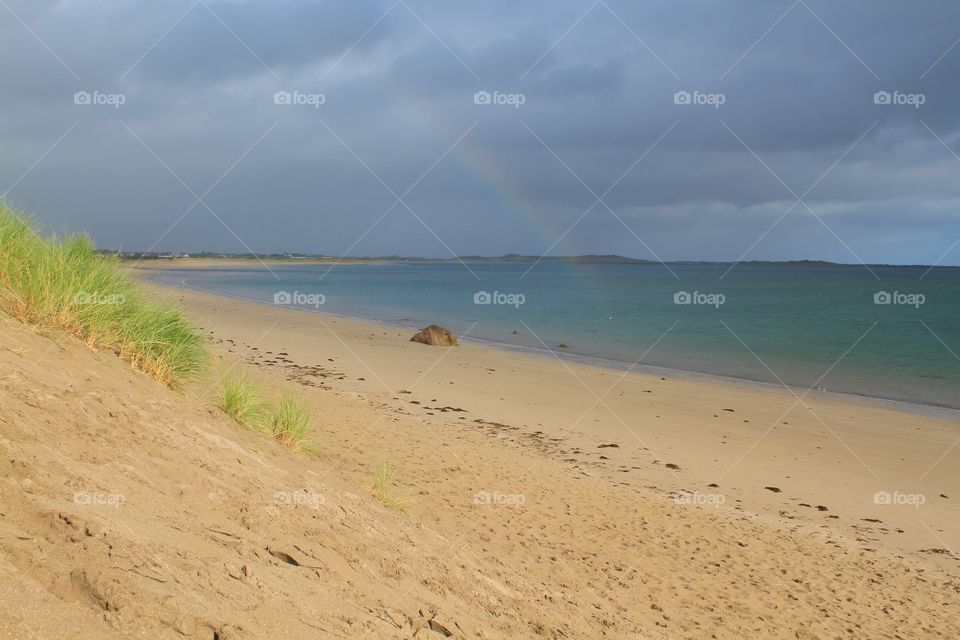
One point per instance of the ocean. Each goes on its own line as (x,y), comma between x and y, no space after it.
(892,333)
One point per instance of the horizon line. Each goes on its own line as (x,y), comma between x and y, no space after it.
(512,257)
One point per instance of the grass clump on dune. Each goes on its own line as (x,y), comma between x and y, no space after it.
(289,424)
(64,284)
(382,489)
(287,421)
(242,400)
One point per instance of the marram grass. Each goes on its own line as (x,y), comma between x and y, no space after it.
(242,400)
(287,420)
(381,488)
(64,284)
(289,424)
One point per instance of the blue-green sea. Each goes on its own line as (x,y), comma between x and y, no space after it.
(888,332)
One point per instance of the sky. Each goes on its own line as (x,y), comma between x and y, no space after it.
(692,130)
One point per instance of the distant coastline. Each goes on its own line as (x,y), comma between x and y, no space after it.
(211,258)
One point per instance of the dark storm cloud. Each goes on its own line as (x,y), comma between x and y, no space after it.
(398,80)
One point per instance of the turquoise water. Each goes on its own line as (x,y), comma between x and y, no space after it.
(803,325)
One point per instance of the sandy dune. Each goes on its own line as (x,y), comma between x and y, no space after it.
(131,511)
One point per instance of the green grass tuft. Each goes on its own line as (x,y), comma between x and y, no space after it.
(288,421)
(64,284)
(382,489)
(243,400)
(289,424)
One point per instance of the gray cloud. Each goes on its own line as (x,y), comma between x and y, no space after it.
(399,92)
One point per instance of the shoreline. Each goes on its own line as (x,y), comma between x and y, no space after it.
(815,463)
(917,408)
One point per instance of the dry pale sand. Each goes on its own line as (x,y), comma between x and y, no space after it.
(545,498)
